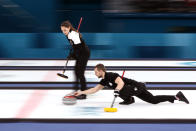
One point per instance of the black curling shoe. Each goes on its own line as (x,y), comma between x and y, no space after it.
(181,97)
(128,102)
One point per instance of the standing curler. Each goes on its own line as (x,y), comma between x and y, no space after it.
(80,52)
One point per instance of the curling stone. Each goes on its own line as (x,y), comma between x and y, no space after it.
(69,100)
(110,109)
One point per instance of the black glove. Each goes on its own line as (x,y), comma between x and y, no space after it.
(116,93)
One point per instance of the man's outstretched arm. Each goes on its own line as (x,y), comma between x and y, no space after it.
(91,90)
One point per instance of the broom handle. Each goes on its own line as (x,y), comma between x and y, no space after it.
(113,101)
(116,96)
(79,24)
(123,73)
(65,65)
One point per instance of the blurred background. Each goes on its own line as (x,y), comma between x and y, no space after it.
(113,29)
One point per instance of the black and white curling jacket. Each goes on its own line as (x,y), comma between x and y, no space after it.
(79,48)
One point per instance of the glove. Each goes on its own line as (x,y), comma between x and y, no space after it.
(116,93)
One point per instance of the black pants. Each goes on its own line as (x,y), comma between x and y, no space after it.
(139,90)
(80,66)
(150,98)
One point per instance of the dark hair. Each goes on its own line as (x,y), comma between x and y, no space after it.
(68,24)
(100,67)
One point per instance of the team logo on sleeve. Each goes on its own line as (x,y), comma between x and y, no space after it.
(110,84)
